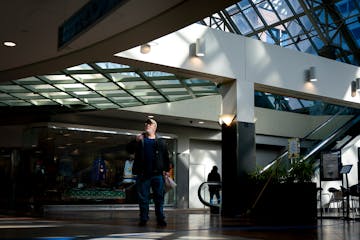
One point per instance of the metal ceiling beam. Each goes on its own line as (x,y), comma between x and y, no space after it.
(330,8)
(313,22)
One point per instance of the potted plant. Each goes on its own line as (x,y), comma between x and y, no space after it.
(285,194)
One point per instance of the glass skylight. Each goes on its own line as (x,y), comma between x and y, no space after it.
(101,86)
(327,28)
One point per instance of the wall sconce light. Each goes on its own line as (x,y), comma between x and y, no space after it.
(200,47)
(312,75)
(355,87)
(145,48)
(226,119)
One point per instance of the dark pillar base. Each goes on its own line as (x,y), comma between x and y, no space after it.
(238,160)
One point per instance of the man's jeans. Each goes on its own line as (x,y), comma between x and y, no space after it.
(143,189)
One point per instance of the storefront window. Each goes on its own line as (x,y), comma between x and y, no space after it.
(83,165)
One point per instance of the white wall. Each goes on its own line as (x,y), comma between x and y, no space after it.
(250,62)
(203,156)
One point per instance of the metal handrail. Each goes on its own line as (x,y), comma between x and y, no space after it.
(201,198)
(320,126)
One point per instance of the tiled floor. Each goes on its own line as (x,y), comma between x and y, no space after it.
(122,224)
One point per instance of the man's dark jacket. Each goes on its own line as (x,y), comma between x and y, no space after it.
(161,163)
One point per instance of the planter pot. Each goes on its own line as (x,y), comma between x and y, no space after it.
(287,203)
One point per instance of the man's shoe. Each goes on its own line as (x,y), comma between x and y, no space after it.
(161,223)
(142,223)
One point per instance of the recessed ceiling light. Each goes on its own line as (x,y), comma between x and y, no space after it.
(201,122)
(10,44)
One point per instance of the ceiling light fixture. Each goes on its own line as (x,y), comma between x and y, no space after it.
(145,48)
(9,44)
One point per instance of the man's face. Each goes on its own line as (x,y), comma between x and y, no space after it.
(150,128)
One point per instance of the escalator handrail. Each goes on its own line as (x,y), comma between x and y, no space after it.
(200,197)
(320,126)
(333,136)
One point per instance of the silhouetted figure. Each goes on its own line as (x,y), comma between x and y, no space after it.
(214,189)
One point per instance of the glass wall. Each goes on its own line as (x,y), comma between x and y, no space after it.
(78,165)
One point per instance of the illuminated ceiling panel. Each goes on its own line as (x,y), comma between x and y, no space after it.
(102,85)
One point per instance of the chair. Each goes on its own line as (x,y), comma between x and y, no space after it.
(336,198)
(320,197)
(354,192)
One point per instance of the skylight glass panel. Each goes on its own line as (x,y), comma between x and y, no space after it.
(85,93)
(296,6)
(17,103)
(307,103)
(123,76)
(28,95)
(307,24)
(102,86)
(166,82)
(43,102)
(4,96)
(136,84)
(294,28)
(197,81)
(12,88)
(29,80)
(96,100)
(72,87)
(347,7)
(110,65)
(80,67)
(355,30)
(282,9)
(123,99)
(174,90)
(205,88)
(143,92)
(61,77)
(56,95)
(305,46)
(294,103)
(253,18)
(115,93)
(157,74)
(69,101)
(82,77)
(43,87)
(241,23)
(267,13)
(244,4)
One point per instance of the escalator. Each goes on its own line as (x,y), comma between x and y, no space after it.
(204,196)
(346,132)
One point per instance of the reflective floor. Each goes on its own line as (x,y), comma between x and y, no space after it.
(182,224)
